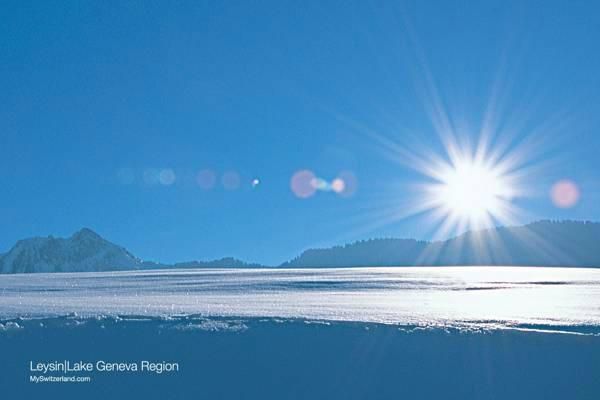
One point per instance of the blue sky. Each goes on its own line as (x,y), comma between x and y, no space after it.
(99,96)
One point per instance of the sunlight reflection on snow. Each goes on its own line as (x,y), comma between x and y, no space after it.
(432,296)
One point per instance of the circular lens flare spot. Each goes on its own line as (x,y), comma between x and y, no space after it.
(231,180)
(565,194)
(302,184)
(167,177)
(206,179)
(338,185)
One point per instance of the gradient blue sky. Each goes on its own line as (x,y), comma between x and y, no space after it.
(269,88)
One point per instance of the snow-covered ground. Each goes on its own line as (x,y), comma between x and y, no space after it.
(372,333)
(561,299)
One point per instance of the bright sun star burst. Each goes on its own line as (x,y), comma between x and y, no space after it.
(473,183)
(471,191)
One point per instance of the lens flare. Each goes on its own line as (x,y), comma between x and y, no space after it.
(302,184)
(565,194)
(338,185)
(305,184)
(320,184)
(206,179)
(231,180)
(167,177)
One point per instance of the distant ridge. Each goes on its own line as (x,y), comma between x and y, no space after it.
(86,251)
(542,243)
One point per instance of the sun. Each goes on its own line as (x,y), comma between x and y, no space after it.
(470,184)
(472,191)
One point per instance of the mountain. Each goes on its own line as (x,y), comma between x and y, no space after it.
(85,251)
(543,243)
